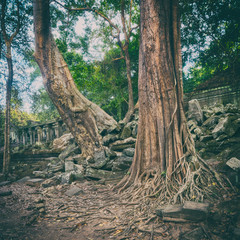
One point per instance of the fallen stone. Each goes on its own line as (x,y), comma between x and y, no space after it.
(129,152)
(194,211)
(67,177)
(109,139)
(40,174)
(228,125)
(127,131)
(34,182)
(23,180)
(62,142)
(195,111)
(100,160)
(4,183)
(74,191)
(206,138)
(234,164)
(50,182)
(122,163)
(196,234)
(210,122)
(56,168)
(110,154)
(69,165)
(97,174)
(120,145)
(189,212)
(69,150)
(171,213)
(5,193)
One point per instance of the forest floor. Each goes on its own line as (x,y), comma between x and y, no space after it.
(36,213)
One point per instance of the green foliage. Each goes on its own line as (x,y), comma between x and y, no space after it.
(211,38)
(20,118)
(43,107)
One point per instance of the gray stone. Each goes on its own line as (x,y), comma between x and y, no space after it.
(69,165)
(23,180)
(228,126)
(62,142)
(97,174)
(78,159)
(67,177)
(74,191)
(56,168)
(129,152)
(70,150)
(219,129)
(195,211)
(34,182)
(109,139)
(50,182)
(40,174)
(110,154)
(4,183)
(189,212)
(234,163)
(79,169)
(127,131)
(122,163)
(100,159)
(135,131)
(120,145)
(211,121)
(206,138)
(114,129)
(171,213)
(196,234)
(195,111)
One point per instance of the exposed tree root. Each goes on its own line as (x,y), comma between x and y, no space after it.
(192,180)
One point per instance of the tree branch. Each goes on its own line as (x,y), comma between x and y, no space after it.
(87,8)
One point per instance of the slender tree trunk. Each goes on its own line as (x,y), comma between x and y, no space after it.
(162,165)
(84,118)
(6,153)
(130,89)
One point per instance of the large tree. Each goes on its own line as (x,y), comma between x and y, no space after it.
(165,165)
(10,26)
(83,118)
(122,35)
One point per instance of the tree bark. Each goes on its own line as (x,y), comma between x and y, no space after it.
(83,118)
(8,42)
(162,165)
(159,142)
(6,153)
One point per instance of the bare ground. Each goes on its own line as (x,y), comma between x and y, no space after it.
(98,213)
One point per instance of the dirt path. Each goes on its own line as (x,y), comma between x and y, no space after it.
(95,213)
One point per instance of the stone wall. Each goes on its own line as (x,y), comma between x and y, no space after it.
(220,95)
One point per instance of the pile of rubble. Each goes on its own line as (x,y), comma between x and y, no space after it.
(216,131)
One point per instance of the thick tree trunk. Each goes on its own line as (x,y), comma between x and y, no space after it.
(159,143)
(84,118)
(162,165)
(6,153)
